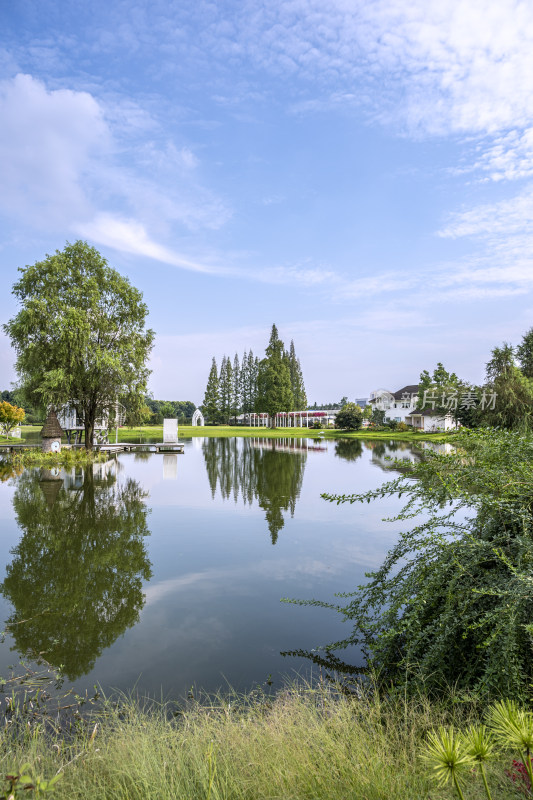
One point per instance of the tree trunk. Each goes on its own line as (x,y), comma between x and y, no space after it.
(89,430)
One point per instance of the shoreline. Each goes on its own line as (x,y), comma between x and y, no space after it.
(155,433)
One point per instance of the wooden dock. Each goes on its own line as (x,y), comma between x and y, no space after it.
(120,447)
(152,447)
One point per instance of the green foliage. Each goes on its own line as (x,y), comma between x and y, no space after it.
(236,399)
(349,418)
(452,603)
(442,393)
(513,407)
(377,416)
(451,754)
(20,783)
(159,409)
(225,384)
(447,757)
(79,336)
(299,396)
(248,382)
(76,575)
(367,412)
(211,404)
(272,385)
(274,392)
(502,362)
(524,353)
(66,457)
(16,398)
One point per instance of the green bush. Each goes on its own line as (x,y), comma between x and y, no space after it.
(349,418)
(452,602)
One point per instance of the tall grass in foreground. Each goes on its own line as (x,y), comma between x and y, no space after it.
(302,743)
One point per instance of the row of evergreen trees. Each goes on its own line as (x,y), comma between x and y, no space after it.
(274,383)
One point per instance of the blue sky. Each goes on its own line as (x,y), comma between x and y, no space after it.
(359,173)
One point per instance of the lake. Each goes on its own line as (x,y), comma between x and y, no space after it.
(161,571)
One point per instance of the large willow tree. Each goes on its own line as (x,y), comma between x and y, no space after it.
(80,334)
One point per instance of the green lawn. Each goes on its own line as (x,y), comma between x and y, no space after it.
(155,433)
(185,431)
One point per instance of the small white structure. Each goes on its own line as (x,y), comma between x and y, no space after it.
(288,419)
(430,421)
(170,431)
(198,418)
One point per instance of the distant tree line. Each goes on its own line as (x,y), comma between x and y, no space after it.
(329,406)
(15,398)
(182,410)
(505,400)
(268,385)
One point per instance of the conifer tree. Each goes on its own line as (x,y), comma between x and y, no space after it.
(524,351)
(297,381)
(254,373)
(236,395)
(226,388)
(274,391)
(211,404)
(244,384)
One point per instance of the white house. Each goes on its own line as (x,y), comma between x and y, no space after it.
(401,407)
(73,425)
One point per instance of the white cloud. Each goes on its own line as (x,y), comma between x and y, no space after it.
(463,66)
(510,216)
(48,141)
(63,155)
(303,274)
(130,236)
(431,67)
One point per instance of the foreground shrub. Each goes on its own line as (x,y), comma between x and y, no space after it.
(452,602)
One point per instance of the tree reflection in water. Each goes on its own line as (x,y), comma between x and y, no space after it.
(76,578)
(349,449)
(268,471)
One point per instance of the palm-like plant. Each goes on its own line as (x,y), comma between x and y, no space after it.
(513,727)
(448,757)
(479,744)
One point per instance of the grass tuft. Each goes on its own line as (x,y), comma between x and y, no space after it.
(304,742)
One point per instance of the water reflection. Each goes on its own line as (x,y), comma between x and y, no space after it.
(268,471)
(75,581)
(349,449)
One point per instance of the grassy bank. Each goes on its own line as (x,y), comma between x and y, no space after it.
(185,431)
(301,744)
(155,433)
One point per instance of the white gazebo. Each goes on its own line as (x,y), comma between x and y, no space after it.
(198,418)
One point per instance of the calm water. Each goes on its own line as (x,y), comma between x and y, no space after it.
(164,571)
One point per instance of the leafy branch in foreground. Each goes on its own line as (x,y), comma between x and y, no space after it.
(452,603)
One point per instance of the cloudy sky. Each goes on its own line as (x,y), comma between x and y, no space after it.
(360,173)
